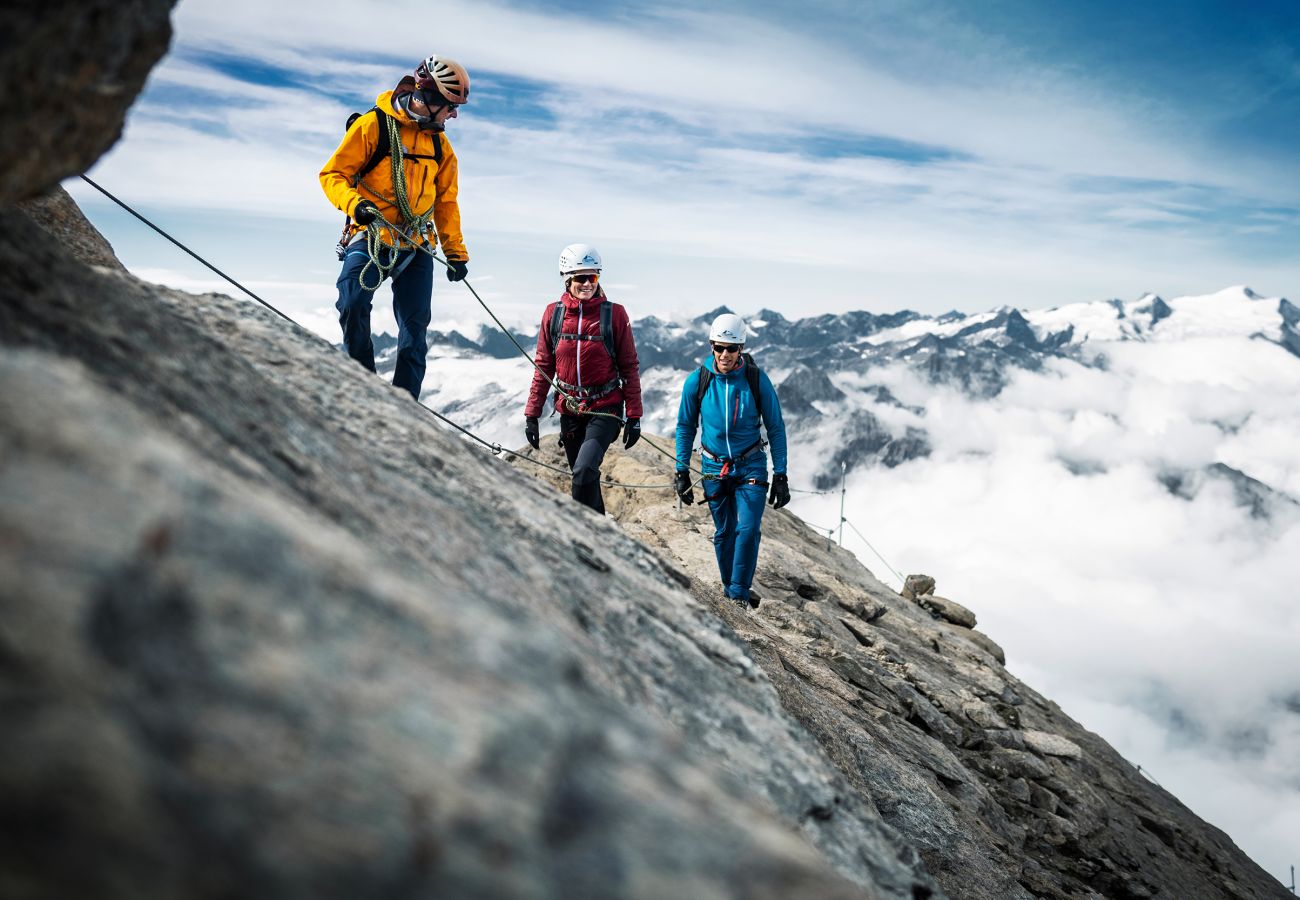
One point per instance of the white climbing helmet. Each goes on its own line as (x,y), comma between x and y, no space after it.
(444,75)
(728,328)
(579,258)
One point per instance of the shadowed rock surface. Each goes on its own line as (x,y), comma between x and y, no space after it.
(1003,794)
(91,56)
(281,634)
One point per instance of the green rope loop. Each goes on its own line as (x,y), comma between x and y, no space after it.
(414,223)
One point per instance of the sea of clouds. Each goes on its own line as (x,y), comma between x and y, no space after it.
(1166,622)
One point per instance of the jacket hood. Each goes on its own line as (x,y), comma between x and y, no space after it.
(387,101)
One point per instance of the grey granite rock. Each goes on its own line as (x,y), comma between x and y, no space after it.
(950,610)
(1001,793)
(92,56)
(271,631)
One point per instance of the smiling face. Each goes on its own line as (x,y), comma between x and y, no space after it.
(582,285)
(726,357)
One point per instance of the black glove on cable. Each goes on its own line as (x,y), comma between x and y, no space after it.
(365,213)
(631,433)
(779,496)
(457,269)
(530,432)
(682,485)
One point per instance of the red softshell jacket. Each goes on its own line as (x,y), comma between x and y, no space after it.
(587,363)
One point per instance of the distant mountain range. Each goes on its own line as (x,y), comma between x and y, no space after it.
(831,370)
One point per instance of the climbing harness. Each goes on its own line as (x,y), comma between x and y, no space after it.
(728,461)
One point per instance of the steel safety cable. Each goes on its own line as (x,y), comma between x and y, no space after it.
(897,574)
(496,448)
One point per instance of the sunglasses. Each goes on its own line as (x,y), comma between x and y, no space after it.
(727,348)
(586,279)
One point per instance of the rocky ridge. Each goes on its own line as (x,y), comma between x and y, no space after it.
(1002,794)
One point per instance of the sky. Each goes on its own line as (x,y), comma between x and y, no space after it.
(927,155)
(919,154)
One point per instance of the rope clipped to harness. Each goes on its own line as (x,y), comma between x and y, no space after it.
(415,223)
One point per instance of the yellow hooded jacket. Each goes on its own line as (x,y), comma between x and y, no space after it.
(426,181)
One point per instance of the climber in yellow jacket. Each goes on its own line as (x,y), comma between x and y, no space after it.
(395,171)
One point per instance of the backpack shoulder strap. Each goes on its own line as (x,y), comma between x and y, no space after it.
(557,322)
(751,375)
(607,330)
(702,387)
(382,147)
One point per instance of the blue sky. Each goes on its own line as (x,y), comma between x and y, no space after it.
(916,154)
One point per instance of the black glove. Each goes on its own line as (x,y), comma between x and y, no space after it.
(779,496)
(457,269)
(530,432)
(682,485)
(365,213)
(631,433)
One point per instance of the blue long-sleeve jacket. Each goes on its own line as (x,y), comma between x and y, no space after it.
(729,417)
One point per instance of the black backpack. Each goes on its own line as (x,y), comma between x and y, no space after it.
(606,329)
(751,376)
(383,149)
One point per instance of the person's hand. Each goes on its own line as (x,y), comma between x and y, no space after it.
(631,433)
(365,213)
(779,496)
(682,485)
(530,432)
(457,269)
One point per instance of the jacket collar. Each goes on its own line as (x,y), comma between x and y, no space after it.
(572,302)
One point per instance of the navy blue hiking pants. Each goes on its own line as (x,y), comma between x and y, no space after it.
(586,438)
(736,502)
(412,301)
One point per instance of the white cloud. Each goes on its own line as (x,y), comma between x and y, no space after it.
(1165,624)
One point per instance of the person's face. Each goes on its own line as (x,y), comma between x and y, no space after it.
(583,285)
(444,113)
(726,357)
(440,115)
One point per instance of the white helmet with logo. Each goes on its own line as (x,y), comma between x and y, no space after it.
(579,258)
(728,328)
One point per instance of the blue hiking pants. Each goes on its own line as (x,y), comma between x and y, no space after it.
(736,502)
(412,301)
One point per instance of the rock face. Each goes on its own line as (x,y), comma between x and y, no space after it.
(91,56)
(1003,795)
(59,216)
(269,630)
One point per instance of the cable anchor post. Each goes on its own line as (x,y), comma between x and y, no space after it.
(844,467)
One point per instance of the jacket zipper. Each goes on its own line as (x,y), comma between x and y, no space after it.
(726,426)
(577,348)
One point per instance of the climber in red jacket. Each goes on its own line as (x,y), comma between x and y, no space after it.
(585,344)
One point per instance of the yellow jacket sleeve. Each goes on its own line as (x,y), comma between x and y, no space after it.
(356,147)
(446,209)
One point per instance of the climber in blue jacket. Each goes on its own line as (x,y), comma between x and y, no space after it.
(728,398)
